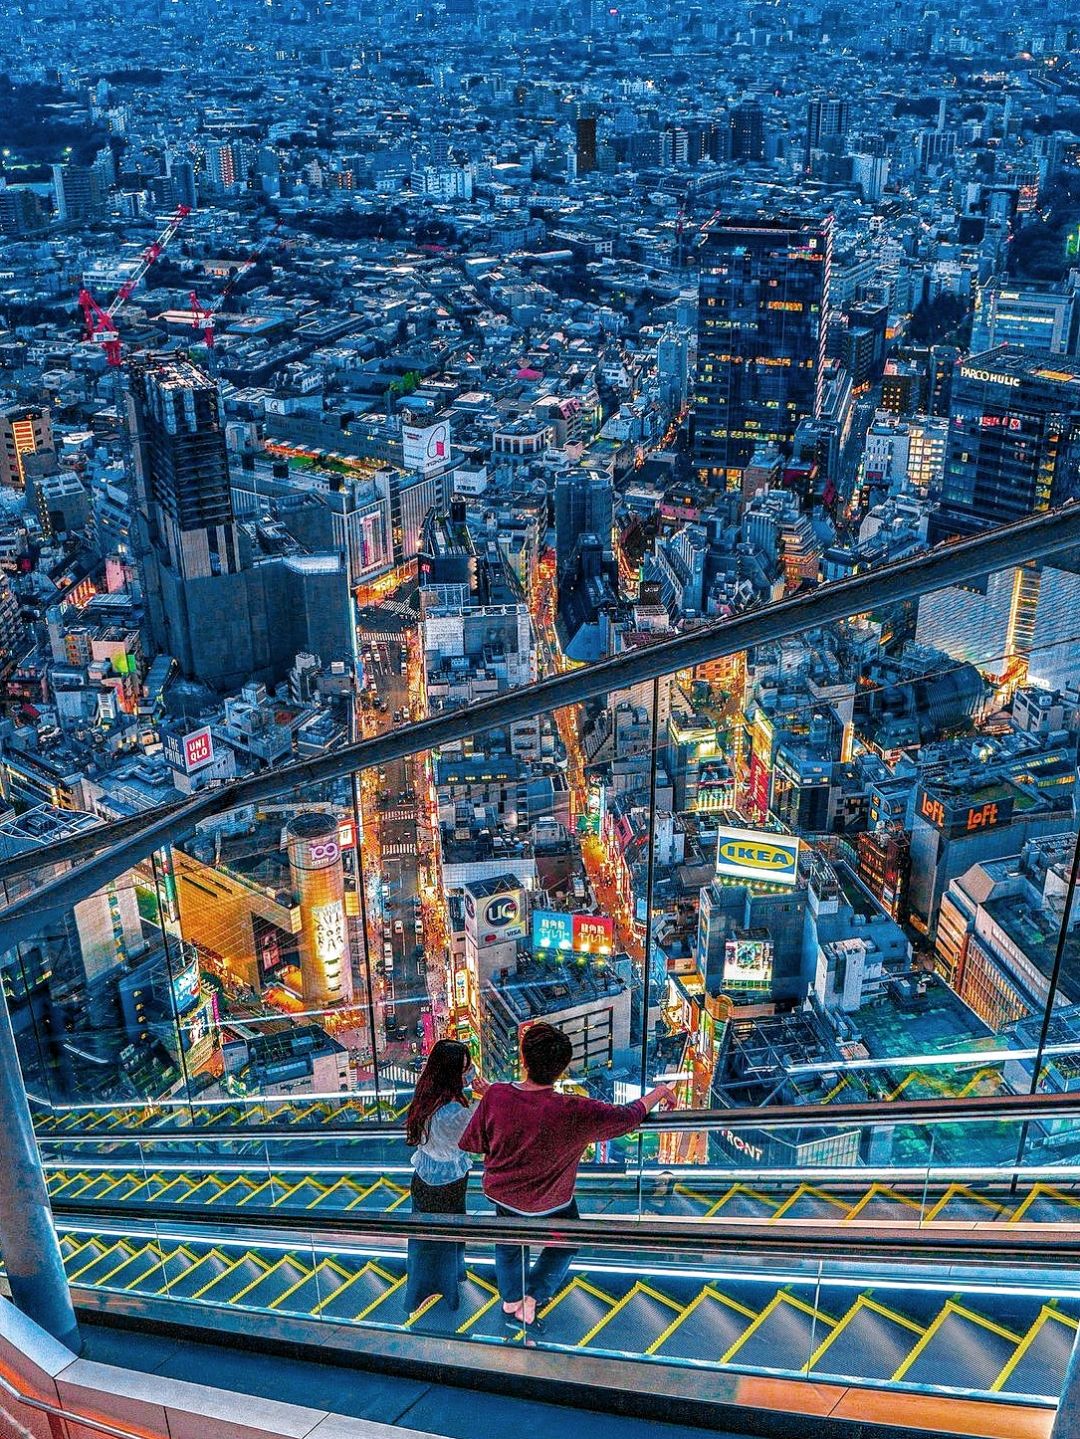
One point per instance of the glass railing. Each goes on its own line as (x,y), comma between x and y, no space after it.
(1005,1162)
(969,1323)
(821,853)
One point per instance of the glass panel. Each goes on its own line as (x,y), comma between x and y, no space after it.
(75,992)
(883,811)
(876,1325)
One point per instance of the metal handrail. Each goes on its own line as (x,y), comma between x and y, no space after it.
(606,1178)
(1030,539)
(964,1109)
(1055,1247)
(84,1421)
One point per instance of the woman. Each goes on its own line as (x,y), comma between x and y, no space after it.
(436,1120)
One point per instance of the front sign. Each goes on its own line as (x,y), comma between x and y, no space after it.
(425,448)
(552,931)
(757,855)
(593,934)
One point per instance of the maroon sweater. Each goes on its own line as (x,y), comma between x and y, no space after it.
(532,1141)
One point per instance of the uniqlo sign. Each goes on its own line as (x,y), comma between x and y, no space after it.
(198,749)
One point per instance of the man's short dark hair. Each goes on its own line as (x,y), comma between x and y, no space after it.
(547,1053)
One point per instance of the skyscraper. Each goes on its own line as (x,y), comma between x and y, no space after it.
(24,430)
(747,131)
(222,170)
(584,505)
(12,631)
(763,301)
(826,125)
(79,194)
(20,211)
(585,144)
(1014,440)
(182,470)
(226,614)
(1029,317)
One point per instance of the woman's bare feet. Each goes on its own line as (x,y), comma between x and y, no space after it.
(524,1310)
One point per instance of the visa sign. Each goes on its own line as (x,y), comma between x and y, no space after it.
(757,855)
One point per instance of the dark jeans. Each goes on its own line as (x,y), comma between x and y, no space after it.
(435,1266)
(513,1274)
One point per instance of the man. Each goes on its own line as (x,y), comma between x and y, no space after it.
(532,1139)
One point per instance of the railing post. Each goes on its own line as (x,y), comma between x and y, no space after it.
(28,1242)
(1067,1422)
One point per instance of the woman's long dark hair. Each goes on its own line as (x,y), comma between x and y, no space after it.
(441,1082)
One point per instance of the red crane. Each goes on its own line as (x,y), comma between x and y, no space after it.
(98,323)
(203,317)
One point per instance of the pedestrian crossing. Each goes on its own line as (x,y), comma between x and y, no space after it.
(397,851)
(397,816)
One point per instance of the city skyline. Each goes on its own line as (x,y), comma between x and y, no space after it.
(358,386)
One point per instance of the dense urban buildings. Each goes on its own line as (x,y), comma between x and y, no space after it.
(377,413)
(365,371)
(360,368)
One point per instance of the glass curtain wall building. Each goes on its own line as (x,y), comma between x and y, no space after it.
(764,296)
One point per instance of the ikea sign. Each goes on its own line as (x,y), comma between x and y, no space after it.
(753,854)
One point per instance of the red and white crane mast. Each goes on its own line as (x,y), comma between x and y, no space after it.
(98,323)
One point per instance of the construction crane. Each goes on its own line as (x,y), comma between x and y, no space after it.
(99,324)
(203,317)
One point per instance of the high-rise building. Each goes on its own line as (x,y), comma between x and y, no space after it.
(584,505)
(827,123)
(12,631)
(763,299)
(20,211)
(181,467)
(316,867)
(222,170)
(224,617)
(25,430)
(79,193)
(747,121)
(585,144)
(1014,440)
(182,173)
(1026,317)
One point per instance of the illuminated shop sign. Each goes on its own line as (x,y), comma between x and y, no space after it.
(593,934)
(552,930)
(748,963)
(572,933)
(970,373)
(757,855)
(960,819)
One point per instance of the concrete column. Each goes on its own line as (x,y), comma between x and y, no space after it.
(28,1242)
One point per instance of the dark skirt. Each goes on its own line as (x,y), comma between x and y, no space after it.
(436,1267)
